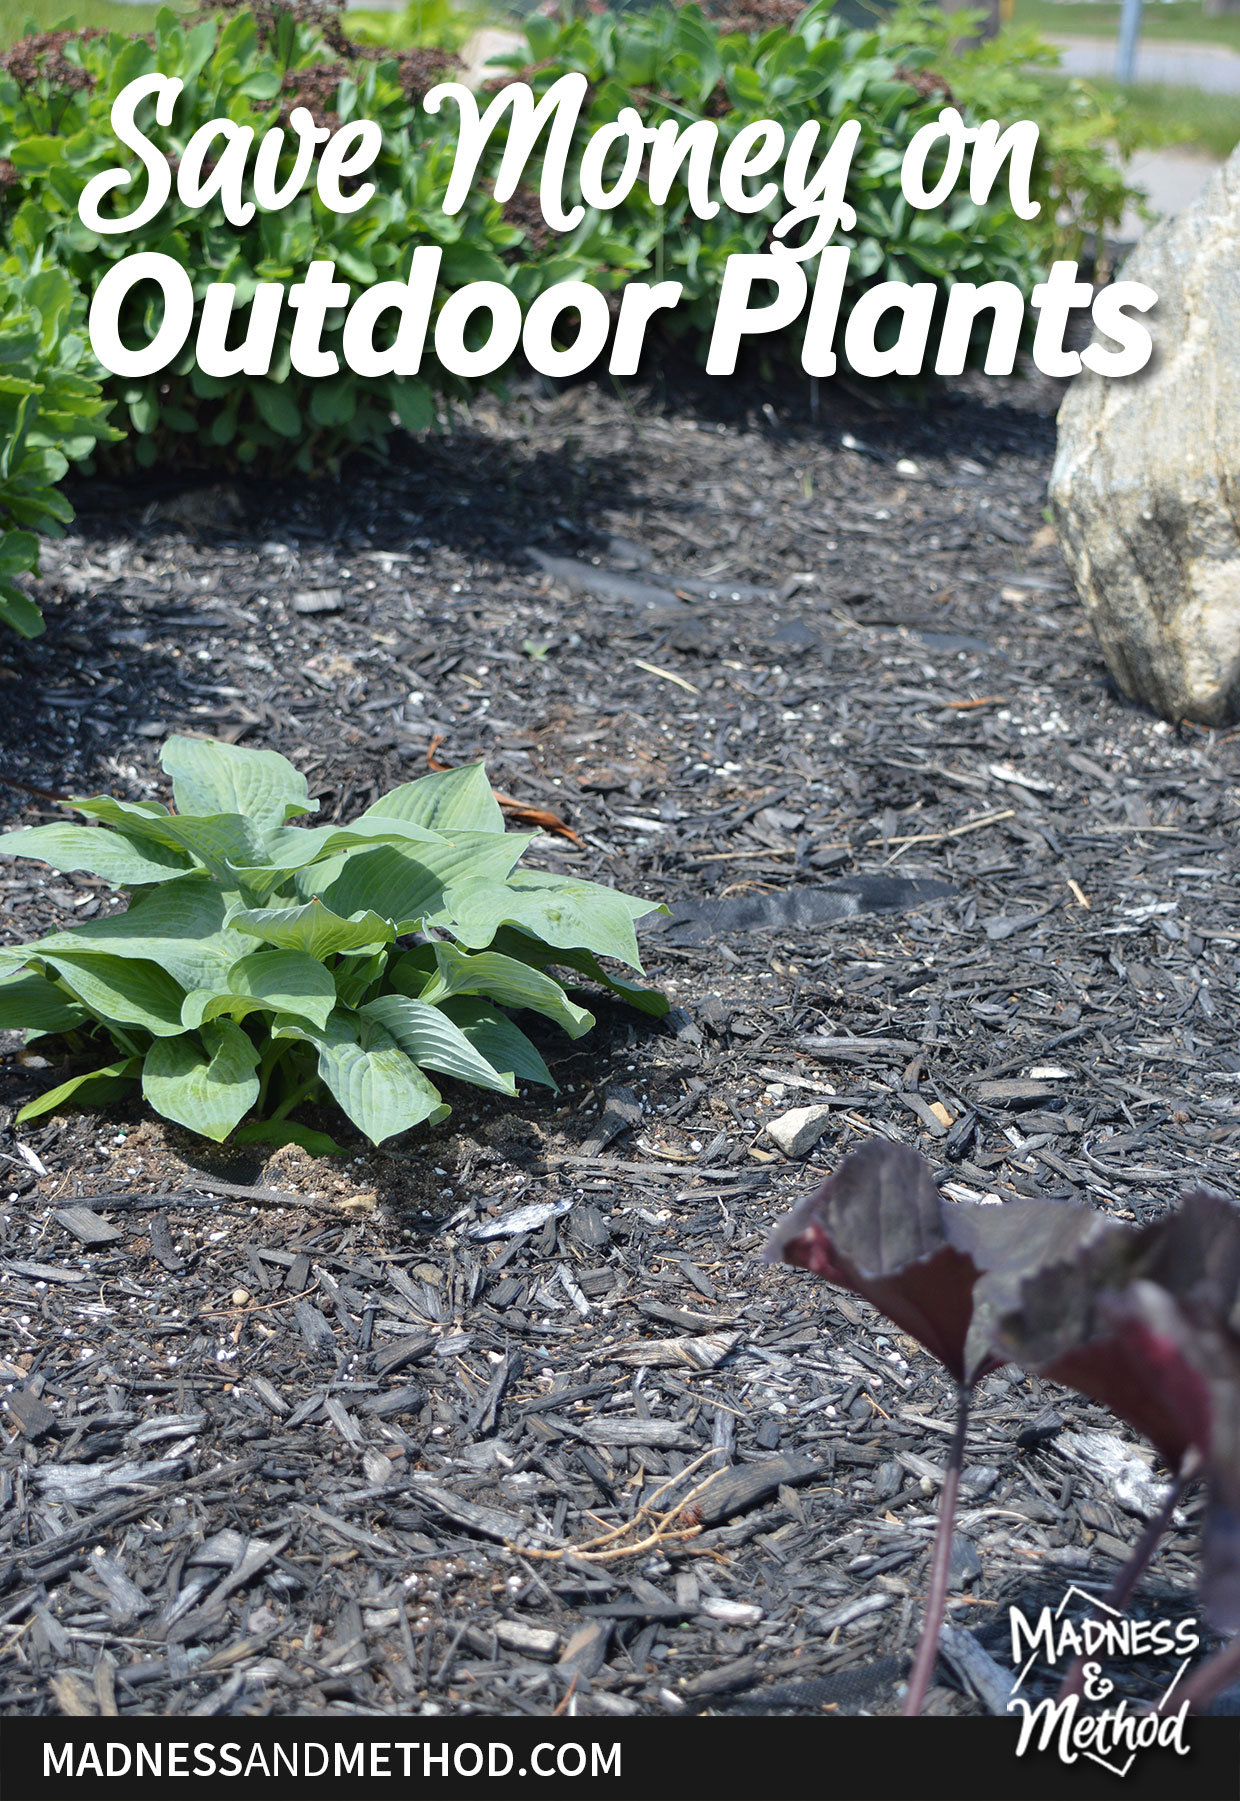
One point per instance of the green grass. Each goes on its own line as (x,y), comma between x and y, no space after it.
(426,22)
(430,24)
(1209,123)
(1182,118)
(99,15)
(1178,19)
(1206,123)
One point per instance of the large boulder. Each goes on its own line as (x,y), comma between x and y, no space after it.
(1146,483)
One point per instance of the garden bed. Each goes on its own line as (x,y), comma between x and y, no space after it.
(287,1435)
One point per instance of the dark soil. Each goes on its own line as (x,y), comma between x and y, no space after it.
(293,1435)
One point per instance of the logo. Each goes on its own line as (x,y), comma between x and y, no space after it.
(1100,1721)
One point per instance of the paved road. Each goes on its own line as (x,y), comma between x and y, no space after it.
(1172,181)
(1212,67)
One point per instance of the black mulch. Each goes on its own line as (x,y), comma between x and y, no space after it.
(286,1436)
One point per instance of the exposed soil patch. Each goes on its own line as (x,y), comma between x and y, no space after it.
(286,1435)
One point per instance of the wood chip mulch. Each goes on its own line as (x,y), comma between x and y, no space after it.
(510,1417)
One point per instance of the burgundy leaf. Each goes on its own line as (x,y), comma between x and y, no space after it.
(1143,1373)
(1136,1320)
(1144,1322)
(875,1226)
(1008,1244)
(1184,1379)
(879,1226)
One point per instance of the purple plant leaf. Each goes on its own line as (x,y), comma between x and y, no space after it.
(1145,1324)
(875,1226)
(1007,1244)
(1180,1352)
(1142,1369)
(1136,1320)
(879,1226)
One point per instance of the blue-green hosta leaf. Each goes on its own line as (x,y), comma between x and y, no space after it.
(373,1080)
(119,860)
(289,848)
(407,884)
(313,928)
(503,1044)
(505,980)
(563,912)
(532,950)
(30,1003)
(127,990)
(217,840)
(452,800)
(435,1042)
(178,925)
(130,815)
(275,981)
(208,1086)
(94,1089)
(209,777)
(409,972)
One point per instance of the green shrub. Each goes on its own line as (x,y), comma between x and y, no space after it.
(51,414)
(259,963)
(767,59)
(1088,130)
(252,64)
(56,95)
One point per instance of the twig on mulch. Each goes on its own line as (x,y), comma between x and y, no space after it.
(592,1550)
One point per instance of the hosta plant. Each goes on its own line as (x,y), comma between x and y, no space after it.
(262,962)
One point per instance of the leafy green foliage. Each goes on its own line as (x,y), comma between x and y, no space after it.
(253,66)
(1083,124)
(677,63)
(1156,114)
(51,413)
(259,964)
(424,24)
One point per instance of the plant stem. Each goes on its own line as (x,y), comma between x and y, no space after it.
(269,1056)
(936,1596)
(1120,1591)
(294,1098)
(1216,1674)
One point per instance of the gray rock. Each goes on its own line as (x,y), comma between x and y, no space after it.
(1146,482)
(540,1642)
(799,1131)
